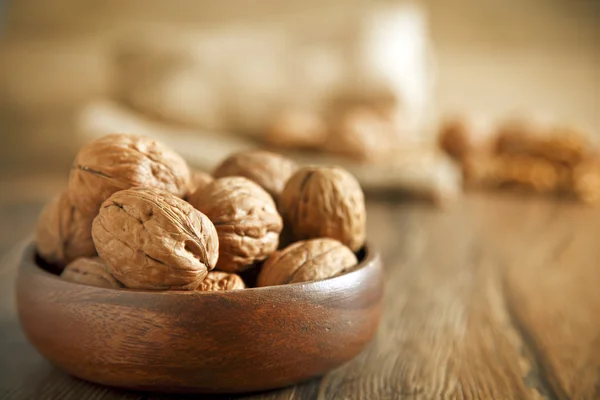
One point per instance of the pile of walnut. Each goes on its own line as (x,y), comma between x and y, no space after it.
(135,216)
(525,154)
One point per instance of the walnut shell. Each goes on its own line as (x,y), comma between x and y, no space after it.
(217,281)
(151,239)
(296,128)
(270,170)
(90,271)
(536,138)
(63,233)
(464,136)
(308,260)
(119,161)
(362,134)
(199,179)
(586,180)
(325,202)
(246,219)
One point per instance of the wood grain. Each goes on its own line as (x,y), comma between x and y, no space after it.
(494,298)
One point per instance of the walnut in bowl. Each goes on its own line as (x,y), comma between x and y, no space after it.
(246,219)
(120,161)
(64,233)
(325,202)
(151,239)
(269,170)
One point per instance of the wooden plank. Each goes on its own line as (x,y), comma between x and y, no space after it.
(551,286)
(445,333)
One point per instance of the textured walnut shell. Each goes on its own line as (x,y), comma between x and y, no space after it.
(118,161)
(308,260)
(217,281)
(246,219)
(151,239)
(90,271)
(325,202)
(63,233)
(271,171)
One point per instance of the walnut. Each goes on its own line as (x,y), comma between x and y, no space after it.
(362,134)
(308,260)
(198,179)
(325,202)
(118,161)
(586,180)
(462,136)
(151,239)
(553,143)
(63,233)
(526,172)
(296,128)
(90,271)
(271,171)
(217,281)
(246,219)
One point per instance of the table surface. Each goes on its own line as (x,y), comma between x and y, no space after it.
(495,297)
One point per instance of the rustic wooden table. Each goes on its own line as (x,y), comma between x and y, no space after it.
(494,298)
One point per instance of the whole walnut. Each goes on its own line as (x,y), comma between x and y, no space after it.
(466,135)
(217,281)
(325,202)
(199,179)
(63,233)
(119,161)
(362,134)
(295,128)
(308,260)
(246,219)
(151,239)
(586,180)
(271,171)
(90,271)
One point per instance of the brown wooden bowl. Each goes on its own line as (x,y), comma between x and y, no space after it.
(175,341)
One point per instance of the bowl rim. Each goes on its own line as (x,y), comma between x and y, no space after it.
(370,260)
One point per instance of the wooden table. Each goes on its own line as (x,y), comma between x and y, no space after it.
(494,298)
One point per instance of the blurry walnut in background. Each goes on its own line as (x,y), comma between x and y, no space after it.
(246,218)
(269,170)
(119,161)
(308,260)
(586,180)
(362,134)
(90,271)
(533,138)
(463,135)
(217,281)
(518,171)
(151,239)
(165,79)
(325,202)
(296,128)
(198,179)
(63,233)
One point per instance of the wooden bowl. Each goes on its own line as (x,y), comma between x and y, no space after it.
(175,341)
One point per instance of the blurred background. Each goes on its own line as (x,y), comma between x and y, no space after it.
(273,71)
